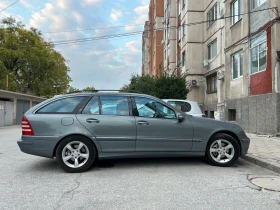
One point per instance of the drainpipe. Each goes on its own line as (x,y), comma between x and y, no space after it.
(249,42)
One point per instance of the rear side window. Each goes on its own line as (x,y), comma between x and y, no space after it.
(183,106)
(65,105)
(114,105)
(92,107)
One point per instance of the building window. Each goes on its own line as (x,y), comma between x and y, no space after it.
(232,115)
(258,53)
(179,34)
(179,7)
(256,3)
(212,15)
(183,29)
(212,114)
(212,49)
(165,56)
(183,58)
(168,50)
(237,65)
(236,11)
(212,84)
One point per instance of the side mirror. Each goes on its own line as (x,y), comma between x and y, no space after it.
(180,117)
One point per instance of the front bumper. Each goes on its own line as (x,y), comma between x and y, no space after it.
(245,143)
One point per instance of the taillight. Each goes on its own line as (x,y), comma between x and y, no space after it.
(203,115)
(26,127)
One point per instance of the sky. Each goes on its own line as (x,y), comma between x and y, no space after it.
(104,64)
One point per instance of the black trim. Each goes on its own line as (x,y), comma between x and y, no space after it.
(134,107)
(79,109)
(99,104)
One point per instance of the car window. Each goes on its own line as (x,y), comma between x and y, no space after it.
(150,108)
(114,105)
(92,107)
(65,105)
(181,105)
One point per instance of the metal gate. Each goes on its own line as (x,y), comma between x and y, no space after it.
(9,113)
(22,107)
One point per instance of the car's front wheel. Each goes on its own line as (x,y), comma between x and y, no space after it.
(75,154)
(222,150)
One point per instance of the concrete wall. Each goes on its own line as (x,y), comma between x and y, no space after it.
(257,114)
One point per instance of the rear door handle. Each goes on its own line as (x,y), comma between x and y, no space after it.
(143,123)
(91,120)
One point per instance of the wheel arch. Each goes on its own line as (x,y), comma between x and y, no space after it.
(232,134)
(77,134)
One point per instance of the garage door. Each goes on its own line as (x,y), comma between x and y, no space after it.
(9,113)
(22,107)
(2,113)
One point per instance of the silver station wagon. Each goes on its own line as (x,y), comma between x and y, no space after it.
(80,128)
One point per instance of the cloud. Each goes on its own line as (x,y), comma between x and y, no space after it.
(130,28)
(115,14)
(142,12)
(132,46)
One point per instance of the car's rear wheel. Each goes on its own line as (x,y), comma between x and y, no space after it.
(222,150)
(75,154)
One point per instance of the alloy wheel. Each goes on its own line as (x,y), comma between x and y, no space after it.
(75,154)
(222,151)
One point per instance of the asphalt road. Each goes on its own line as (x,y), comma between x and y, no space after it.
(30,182)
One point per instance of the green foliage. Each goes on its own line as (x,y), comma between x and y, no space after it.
(165,86)
(73,89)
(33,65)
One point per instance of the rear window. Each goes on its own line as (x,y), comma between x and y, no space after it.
(65,105)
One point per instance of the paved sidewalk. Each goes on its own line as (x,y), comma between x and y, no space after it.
(264,151)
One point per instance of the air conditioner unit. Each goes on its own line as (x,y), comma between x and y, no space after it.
(162,42)
(220,74)
(205,63)
(194,83)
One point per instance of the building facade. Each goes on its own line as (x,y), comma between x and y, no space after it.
(153,33)
(169,41)
(146,49)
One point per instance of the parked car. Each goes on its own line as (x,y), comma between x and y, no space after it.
(189,107)
(80,128)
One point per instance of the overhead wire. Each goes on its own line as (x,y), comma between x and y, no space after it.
(9,6)
(73,41)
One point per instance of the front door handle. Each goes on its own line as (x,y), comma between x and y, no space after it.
(143,123)
(92,120)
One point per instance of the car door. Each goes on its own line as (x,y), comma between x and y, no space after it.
(158,128)
(110,120)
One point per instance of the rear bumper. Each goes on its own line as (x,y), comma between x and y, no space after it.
(39,146)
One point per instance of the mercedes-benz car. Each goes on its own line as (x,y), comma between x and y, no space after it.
(80,128)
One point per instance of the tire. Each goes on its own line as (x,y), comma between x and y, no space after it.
(76,159)
(228,152)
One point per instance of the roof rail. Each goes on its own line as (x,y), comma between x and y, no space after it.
(94,91)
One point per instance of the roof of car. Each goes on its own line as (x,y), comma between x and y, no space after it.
(104,93)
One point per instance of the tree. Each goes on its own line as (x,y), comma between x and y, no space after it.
(73,89)
(33,65)
(168,85)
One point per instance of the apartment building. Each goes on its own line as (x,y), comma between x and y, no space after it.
(169,41)
(146,49)
(153,36)
(231,52)
(251,82)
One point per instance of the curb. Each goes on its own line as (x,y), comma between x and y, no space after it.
(259,162)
